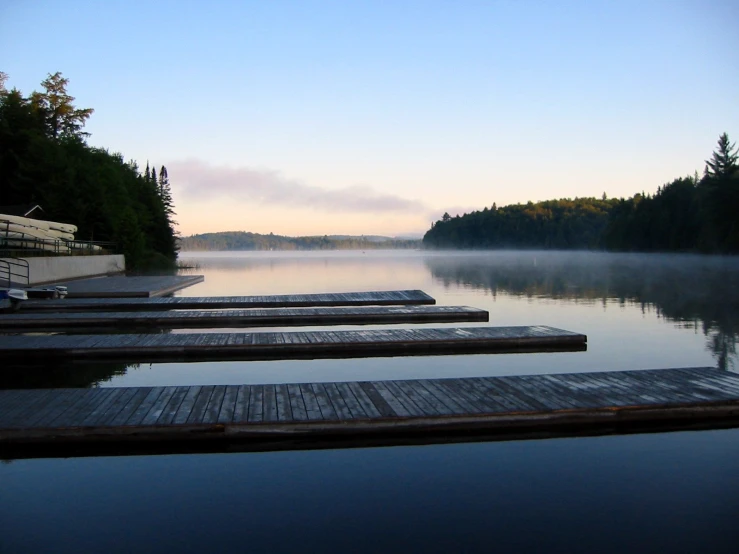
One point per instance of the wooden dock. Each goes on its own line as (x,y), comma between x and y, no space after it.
(121,286)
(288,345)
(315,415)
(217,319)
(374,298)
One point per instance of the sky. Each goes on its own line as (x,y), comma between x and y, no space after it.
(376,117)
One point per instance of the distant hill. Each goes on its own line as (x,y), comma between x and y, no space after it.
(240,240)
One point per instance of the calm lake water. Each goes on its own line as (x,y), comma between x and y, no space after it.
(668,492)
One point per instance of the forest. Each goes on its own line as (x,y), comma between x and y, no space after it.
(239,240)
(690,214)
(45,160)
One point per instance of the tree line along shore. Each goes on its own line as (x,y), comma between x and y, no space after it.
(45,160)
(242,240)
(690,214)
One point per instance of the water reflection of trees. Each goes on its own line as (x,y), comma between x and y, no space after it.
(698,291)
(60,375)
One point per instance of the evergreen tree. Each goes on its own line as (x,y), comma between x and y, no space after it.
(723,161)
(63,119)
(43,161)
(165,193)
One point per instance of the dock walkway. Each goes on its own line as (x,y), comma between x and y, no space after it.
(374,298)
(122,286)
(296,415)
(288,345)
(217,319)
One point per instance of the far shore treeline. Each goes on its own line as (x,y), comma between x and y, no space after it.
(690,214)
(240,240)
(45,160)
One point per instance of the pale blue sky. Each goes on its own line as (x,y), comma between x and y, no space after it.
(376,117)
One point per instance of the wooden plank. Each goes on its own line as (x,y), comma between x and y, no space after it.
(173,404)
(495,396)
(269,403)
(146,404)
(456,404)
(94,413)
(312,406)
(282,400)
(293,412)
(388,298)
(213,409)
(120,286)
(328,412)
(106,416)
(396,405)
(158,407)
(481,395)
(22,404)
(381,405)
(368,407)
(350,401)
(401,397)
(541,388)
(422,398)
(280,345)
(611,395)
(183,412)
(56,407)
(201,403)
(76,415)
(297,403)
(235,406)
(538,394)
(256,404)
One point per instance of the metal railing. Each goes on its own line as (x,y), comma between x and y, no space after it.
(14,267)
(57,247)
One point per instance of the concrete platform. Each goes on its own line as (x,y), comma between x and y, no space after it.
(121,286)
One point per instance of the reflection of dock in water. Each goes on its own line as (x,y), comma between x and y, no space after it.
(48,422)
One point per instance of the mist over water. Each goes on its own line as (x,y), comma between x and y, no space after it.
(639,312)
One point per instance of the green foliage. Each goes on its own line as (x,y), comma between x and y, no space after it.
(563,223)
(57,109)
(45,160)
(687,214)
(722,164)
(239,240)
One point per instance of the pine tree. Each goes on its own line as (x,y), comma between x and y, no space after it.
(723,162)
(165,193)
(63,119)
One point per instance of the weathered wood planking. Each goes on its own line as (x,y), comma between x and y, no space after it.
(214,319)
(121,286)
(308,415)
(289,345)
(371,298)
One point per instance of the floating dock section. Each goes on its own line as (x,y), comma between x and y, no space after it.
(337,414)
(121,286)
(375,298)
(288,345)
(215,319)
